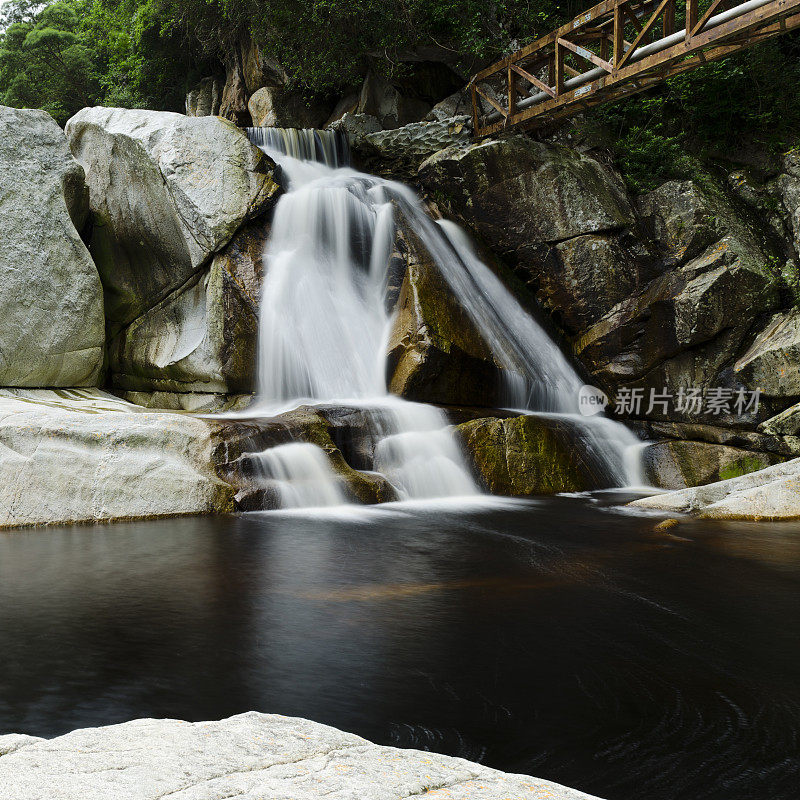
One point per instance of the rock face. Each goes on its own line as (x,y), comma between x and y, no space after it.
(239,443)
(202,337)
(167,192)
(51,301)
(772,493)
(528,455)
(248,756)
(676,464)
(171,199)
(87,456)
(532,203)
(401,150)
(205,100)
(436,353)
(771,362)
(689,287)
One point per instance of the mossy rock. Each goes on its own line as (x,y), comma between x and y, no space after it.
(677,464)
(528,455)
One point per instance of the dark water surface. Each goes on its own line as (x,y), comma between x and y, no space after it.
(557,638)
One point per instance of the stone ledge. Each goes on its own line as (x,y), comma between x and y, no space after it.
(243,758)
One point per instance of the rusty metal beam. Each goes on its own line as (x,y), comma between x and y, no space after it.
(627,72)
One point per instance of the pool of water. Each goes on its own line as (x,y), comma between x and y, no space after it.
(559,638)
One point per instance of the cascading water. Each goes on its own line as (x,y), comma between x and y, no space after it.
(325,322)
(300,475)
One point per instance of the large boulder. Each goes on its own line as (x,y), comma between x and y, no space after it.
(167,192)
(84,455)
(203,337)
(772,493)
(279,107)
(678,464)
(436,353)
(51,300)
(385,100)
(251,755)
(530,455)
(771,362)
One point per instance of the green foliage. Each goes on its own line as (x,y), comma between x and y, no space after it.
(64,55)
(752,98)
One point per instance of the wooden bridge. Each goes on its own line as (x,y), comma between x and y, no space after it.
(615,49)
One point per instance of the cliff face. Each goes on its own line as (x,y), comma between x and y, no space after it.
(679,304)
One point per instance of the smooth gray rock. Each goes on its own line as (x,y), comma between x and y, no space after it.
(167,192)
(249,757)
(203,337)
(772,493)
(278,107)
(51,300)
(84,455)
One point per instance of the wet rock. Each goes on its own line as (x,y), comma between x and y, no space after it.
(86,456)
(51,300)
(194,402)
(436,353)
(763,440)
(529,455)
(517,192)
(357,127)
(202,338)
(772,493)
(401,150)
(556,216)
(167,192)
(251,755)
(682,464)
(237,441)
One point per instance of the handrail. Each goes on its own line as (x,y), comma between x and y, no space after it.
(621,66)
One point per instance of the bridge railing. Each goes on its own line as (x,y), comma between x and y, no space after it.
(618,48)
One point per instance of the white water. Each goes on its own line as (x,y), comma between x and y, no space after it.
(325,321)
(300,474)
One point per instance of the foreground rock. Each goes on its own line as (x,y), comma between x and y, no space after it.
(167,192)
(51,300)
(85,456)
(247,757)
(770,494)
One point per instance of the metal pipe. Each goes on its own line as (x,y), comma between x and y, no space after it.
(642,52)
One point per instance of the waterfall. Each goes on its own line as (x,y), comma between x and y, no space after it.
(300,475)
(325,318)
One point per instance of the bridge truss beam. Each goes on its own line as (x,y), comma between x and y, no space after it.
(616,49)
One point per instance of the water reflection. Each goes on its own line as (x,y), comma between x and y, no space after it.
(580,646)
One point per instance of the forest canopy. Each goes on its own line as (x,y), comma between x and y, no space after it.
(66,54)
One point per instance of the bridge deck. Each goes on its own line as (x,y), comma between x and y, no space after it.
(615,49)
